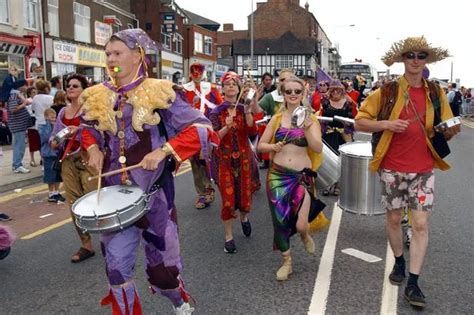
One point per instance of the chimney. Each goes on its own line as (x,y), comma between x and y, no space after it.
(306,6)
(228,27)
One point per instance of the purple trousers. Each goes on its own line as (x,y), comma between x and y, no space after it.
(159,232)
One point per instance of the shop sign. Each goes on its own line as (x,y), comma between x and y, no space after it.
(167,63)
(90,57)
(177,65)
(9,48)
(103,32)
(65,52)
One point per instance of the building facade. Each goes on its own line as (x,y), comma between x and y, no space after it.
(200,45)
(20,38)
(76,31)
(286,35)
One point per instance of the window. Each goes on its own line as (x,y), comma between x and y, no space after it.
(208,45)
(283,61)
(166,41)
(219,52)
(115,28)
(53,17)
(247,62)
(82,21)
(11,60)
(30,11)
(4,11)
(178,43)
(198,42)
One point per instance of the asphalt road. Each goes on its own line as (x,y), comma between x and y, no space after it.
(37,277)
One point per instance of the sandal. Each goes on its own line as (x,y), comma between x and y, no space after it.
(82,254)
(336,191)
(201,203)
(209,197)
(33,164)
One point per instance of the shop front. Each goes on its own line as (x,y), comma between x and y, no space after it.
(14,51)
(172,67)
(70,58)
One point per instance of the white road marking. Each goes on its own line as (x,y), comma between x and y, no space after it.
(361,255)
(45,215)
(390,291)
(323,279)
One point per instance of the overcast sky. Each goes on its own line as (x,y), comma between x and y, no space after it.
(377,25)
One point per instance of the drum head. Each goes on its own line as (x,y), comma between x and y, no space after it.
(357,149)
(298,117)
(112,198)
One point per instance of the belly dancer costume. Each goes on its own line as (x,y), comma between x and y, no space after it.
(286,188)
(136,119)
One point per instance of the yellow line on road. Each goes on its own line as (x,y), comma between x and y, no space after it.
(61,223)
(46,229)
(468,124)
(24,192)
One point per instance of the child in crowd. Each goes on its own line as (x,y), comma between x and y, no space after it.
(51,176)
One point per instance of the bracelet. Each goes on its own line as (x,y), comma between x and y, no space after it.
(166,149)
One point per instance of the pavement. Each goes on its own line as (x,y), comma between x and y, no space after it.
(10,181)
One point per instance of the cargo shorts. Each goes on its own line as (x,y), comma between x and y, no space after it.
(412,190)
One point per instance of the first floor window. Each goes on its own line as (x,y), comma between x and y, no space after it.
(208,45)
(283,61)
(4,11)
(53,17)
(82,23)
(198,45)
(30,10)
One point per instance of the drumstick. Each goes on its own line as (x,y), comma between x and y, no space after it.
(99,183)
(129,168)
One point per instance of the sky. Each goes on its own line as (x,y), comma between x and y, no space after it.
(377,25)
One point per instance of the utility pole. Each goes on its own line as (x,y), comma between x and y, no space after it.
(451,80)
(251,36)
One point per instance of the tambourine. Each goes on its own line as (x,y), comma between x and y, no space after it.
(443,126)
(62,135)
(298,117)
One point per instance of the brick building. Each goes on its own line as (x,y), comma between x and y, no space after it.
(76,31)
(200,45)
(285,35)
(169,64)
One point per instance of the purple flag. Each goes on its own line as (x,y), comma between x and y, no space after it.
(322,76)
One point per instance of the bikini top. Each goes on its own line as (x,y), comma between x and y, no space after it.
(294,136)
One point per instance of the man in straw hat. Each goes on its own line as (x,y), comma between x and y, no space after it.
(146,122)
(404,155)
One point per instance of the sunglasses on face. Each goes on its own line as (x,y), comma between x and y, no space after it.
(296,91)
(75,86)
(420,56)
(322,84)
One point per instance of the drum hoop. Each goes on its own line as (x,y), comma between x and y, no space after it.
(142,197)
(352,154)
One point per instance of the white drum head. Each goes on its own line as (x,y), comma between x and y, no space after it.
(357,148)
(112,198)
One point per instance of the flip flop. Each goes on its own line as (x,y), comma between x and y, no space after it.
(83,254)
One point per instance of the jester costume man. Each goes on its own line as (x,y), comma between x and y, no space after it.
(130,120)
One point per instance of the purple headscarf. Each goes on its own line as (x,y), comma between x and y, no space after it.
(135,38)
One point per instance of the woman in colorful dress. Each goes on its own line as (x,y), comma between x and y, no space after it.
(336,133)
(296,155)
(235,124)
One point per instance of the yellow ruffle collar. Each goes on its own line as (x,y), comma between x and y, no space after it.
(98,104)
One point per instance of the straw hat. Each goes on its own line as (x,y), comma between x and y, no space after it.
(395,53)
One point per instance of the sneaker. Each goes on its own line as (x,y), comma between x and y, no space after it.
(246,228)
(21,169)
(53,198)
(184,309)
(4,217)
(61,198)
(397,275)
(229,247)
(414,295)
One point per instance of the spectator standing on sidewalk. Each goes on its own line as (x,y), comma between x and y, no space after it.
(404,155)
(51,176)
(18,118)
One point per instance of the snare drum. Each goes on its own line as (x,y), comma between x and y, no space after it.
(119,207)
(360,188)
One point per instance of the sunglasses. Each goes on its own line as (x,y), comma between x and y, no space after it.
(296,91)
(322,84)
(420,56)
(75,86)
